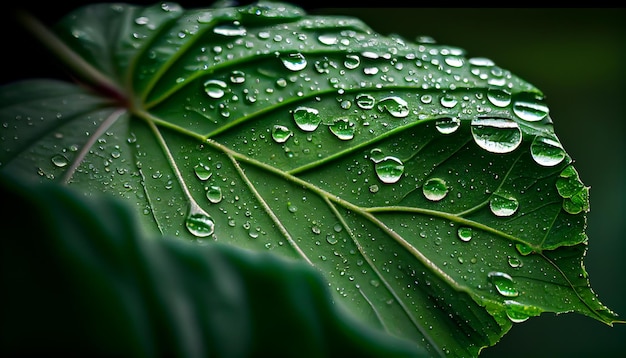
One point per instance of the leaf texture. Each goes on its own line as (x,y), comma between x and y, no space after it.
(429,188)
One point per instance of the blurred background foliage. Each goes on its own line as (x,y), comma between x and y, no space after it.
(576,56)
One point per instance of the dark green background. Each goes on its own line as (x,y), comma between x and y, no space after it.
(576,57)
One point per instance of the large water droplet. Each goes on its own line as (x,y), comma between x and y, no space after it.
(530,111)
(503,206)
(396,106)
(365,101)
(328,39)
(215,88)
(342,128)
(352,61)
(496,135)
(280,133)
(202,171)
(518,312)
(454,61)
(389,169)
(504,284)
(448,125)
(198,222)
(514,262)
(546,151)
(237,77)
(214,194)
(435,189)
(294,61)
(448,101)
(499,97)
(307,119)
(230,30)
(465,234)
(59,160)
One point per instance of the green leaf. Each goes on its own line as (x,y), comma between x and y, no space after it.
(429,188)
(95,283)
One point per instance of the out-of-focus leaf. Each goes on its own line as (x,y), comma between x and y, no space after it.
(79,278)
(430,188)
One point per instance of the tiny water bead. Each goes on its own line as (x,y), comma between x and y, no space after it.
(395,106)
(281,133)
(448,125)
(547,152)
(435,189)
(389,169)
(307,119)
(465,234)
(496,135)
(215,88)
(501,205)
(342,128)
(530,111)
(504,284)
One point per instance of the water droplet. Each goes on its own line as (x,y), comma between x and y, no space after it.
(59,160)
(547,152)
(481,62)
(328,39)
(342,128)
(514,262)
(352,61)
(575,194)
(202,171)
(280,133)
(448,125)
(465,234)
(454,61)
(198,222)
(435,189)
(504,284)
(518,312)
(448,101)
(237,77)
(499,97)
(396,106)
(365,101)
(389,169)
(496,135)
(307,119)
(230,30)
(294,61)
(503,206)
(215,88)
(214,194)
(331,239)
(530,111)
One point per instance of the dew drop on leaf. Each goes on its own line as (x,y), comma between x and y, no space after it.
(365,101)
(504,284)
(454,61)
(496,135)
(503,206)
(230,30)
(514,262)
(59,160)
(327,39)
(546,151)
(499,97)
(215,88)
(448,101)
(530,111)
(280,133)
(202,171)
(307,119)
(435,189)
(389,169)
(396,106)
(198,222)
(342,128)
(214,194)
(294,61)
(352,61)
(448,125)
(237,77)
(465,234)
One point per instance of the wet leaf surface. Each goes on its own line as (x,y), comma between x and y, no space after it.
(429,188)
